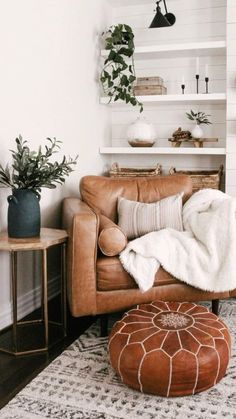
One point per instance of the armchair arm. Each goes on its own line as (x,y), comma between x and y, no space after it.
(82,225)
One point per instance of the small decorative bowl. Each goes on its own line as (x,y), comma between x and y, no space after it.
(141,143)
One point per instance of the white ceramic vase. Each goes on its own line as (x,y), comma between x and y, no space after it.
(141,133)
(197,132)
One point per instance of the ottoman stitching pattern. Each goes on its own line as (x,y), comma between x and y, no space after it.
(170,349)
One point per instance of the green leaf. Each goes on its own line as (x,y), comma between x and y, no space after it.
(141,107)
(124,67)
(124,80)
(118,59)
(132,78)
(118,75)
(125,51)
(131,44)
(128,28)
(112,55)
(115,74)
(32,169)
(134,101)
(106,74)
(127,98)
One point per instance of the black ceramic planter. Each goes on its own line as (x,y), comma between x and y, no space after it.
(23,214)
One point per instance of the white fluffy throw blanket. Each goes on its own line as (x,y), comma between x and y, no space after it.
(204,255)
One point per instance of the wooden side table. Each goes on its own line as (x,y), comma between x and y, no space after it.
(14,341)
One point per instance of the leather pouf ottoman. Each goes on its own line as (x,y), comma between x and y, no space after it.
(170,349)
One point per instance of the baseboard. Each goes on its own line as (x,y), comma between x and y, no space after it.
(28,302)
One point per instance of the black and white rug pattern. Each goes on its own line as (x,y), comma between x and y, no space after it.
(80,384)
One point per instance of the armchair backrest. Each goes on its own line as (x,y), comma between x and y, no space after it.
(101,193)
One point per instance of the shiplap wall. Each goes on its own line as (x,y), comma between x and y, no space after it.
(196,20)
(231,99)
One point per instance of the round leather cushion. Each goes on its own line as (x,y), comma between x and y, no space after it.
(170,349)
(111,241)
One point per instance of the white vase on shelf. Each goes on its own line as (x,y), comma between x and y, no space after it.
(197,131)
(141,133)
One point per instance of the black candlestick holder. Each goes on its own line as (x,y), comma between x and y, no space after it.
(197,80)
(183,88)
(207,83)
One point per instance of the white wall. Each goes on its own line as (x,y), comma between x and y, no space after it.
(231,102)
(48,88)
(196,20)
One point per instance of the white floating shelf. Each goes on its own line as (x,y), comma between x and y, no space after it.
(164,150)
(118,3)
(194,49)
(198,98)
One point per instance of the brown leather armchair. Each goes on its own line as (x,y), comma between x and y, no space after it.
(98,284)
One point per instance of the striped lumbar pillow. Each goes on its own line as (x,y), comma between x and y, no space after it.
(136,218)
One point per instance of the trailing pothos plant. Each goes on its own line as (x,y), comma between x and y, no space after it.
(33,169)
(118,74)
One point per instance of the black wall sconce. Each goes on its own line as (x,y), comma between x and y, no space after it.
(160,20)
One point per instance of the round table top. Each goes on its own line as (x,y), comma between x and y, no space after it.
(48,237)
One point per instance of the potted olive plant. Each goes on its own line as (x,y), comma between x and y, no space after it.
(29,172)
(118,73)
(200,118)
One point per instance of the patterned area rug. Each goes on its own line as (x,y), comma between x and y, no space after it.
(81,384)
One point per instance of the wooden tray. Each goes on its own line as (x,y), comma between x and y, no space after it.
(197,142)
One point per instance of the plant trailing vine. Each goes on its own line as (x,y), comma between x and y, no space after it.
(118,74)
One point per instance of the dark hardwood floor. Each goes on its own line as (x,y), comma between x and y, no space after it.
(17,371)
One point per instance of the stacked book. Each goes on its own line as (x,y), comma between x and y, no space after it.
(149,86)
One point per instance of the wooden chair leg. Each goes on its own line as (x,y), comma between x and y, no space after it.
(104,325)
(215,306)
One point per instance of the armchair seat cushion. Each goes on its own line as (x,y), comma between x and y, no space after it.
(112,276)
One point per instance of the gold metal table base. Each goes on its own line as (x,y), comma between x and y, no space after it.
(36,329)
(14,340)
